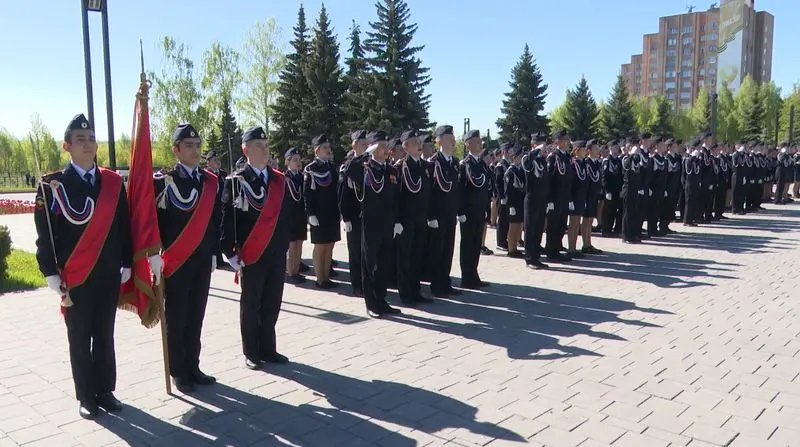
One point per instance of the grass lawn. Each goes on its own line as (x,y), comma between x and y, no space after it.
(23,273)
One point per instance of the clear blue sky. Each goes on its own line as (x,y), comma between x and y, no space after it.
(470,47)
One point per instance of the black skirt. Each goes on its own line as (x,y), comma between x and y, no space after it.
(325,233)
(591,206)
(299,229)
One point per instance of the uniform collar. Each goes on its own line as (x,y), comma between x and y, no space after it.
(258,171)
(189,171)
(82,172)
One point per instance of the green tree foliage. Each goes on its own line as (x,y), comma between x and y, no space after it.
(580,113)
(221,78)
(228,129)
(750,109)
(790,102)
(293,92)
(557,117)
(521,114)
(727,123)
(265,59)
(662,113)
(701,112)
(618,120)
(354,108)
(643,112)
(683,126)
(324,107)
(396,80)
(770,96)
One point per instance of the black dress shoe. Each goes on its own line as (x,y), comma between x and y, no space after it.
(358,292)
(409,302)
(276,358)
(87,410)
(200,378)
(373,313)
(108,402)
(483,284)
(471,285)
(424,299)
(184,384)
(537,265)
(486,252)
(333,273)
(323,285)
(452,291)
(304,267)
(389,310)
(334,263)
(516,254)
(502,247)
(253,365)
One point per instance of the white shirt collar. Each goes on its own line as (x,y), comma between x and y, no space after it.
(82,172)
(258,172)
(189,171)
(447,157)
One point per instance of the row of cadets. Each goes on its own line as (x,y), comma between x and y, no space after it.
(320,190)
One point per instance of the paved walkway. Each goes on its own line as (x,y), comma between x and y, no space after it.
(687,341)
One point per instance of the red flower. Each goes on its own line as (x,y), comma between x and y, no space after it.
(10,206)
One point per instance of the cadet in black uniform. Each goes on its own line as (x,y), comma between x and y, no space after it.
(723,183)
(351,213)
(413,175)
(612,188)
(796,160)
(487,155)
(738,178)
(559,203)
(783,173)
(428,147)
(645,202)
(708,173)
(297,210)
(181,200)
(632,193)
(692,181)
(376,183)
(442,212)
(674,164)
(658,184)
(475,188)
(499,172)
(256,247)
(577,205)
(320,190)
(214,164)
(594,188)
(94,291)
(537,188)
(514,189)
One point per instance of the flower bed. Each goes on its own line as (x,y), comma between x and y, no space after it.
(10,206)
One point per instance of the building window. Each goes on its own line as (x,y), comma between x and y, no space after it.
(712,48)
(671,96)
(686,73)
(671,53)
(653,75)
(702,72)
(670,74)
(687,29)
(712,25)
(686,63)
(673,30)
(669,84)
(672,42)
(712,60)
(686,95)
(701,83)
(686,84)
(703,38)
(687,51)
(712,71)
(713,36)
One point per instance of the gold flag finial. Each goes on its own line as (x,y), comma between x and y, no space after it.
(144,84)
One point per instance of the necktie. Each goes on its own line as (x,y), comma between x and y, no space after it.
(263,178)
(88,177)
(196,176)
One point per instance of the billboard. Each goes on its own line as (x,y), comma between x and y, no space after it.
(730,47)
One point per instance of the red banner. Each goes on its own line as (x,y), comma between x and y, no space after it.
(137,294)
(195,230)
(261,234)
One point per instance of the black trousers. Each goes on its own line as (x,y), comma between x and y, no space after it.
(535,213)
(90,332)
(667,212)
(720,194)
(631,222)
(186,296)
(612,215)
(655,207)
(707,206)
(377,249)
(691,205)
(354,255)
(470,251)
(260,304)
(738,192)
(502,225)
(410,252)
(682,200)
(556,227)
(779,185)
(442,245)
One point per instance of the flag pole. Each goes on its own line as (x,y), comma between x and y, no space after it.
(144,87)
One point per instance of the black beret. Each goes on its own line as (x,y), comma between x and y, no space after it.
(505,146)
(539,138)
(184,130)
(784,143)
(498,152)
(358,135)
(213,153)
(409,134)
(254,133)
(560,133)
(291,152)
(241,161)
(486,153)
(319,140)
(474,133)
(622,142)
(77,122)
(645,135)
(669,141)
(695,142)
(706,135)
(678,141)
(376,136)
(514,151)
(427,139)
(579,144)
(394,142)
(591,143)
(633,140)
(443,130)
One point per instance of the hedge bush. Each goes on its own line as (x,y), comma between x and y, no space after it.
(5,250)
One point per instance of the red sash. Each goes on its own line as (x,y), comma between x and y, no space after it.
(84,256)
(262,231)
(194,231)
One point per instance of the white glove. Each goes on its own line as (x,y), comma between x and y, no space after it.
(760,182)
(752,181)
(156,266)
(503,201)
(55,284)
(609,196)
(313,221)
(512,211)
(462,218)
(651,192)
(665,194)
(710,187)
(235,263)
(744,180)
(571,206)
(640,192)
(348,226)
(398,229)
(433,223)
(213,263)
(125,275)
(551,206)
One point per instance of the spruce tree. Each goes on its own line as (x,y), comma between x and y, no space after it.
(618,120)
(228,128)
(661,124)
(293,92)
(701,111)
(751,111)
(356,64)
(580,112)
(524,103)
(324,107)
(395,84)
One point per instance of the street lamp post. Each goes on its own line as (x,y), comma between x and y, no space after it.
(466,125)
(714,97)
(100,6)
(791,124)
